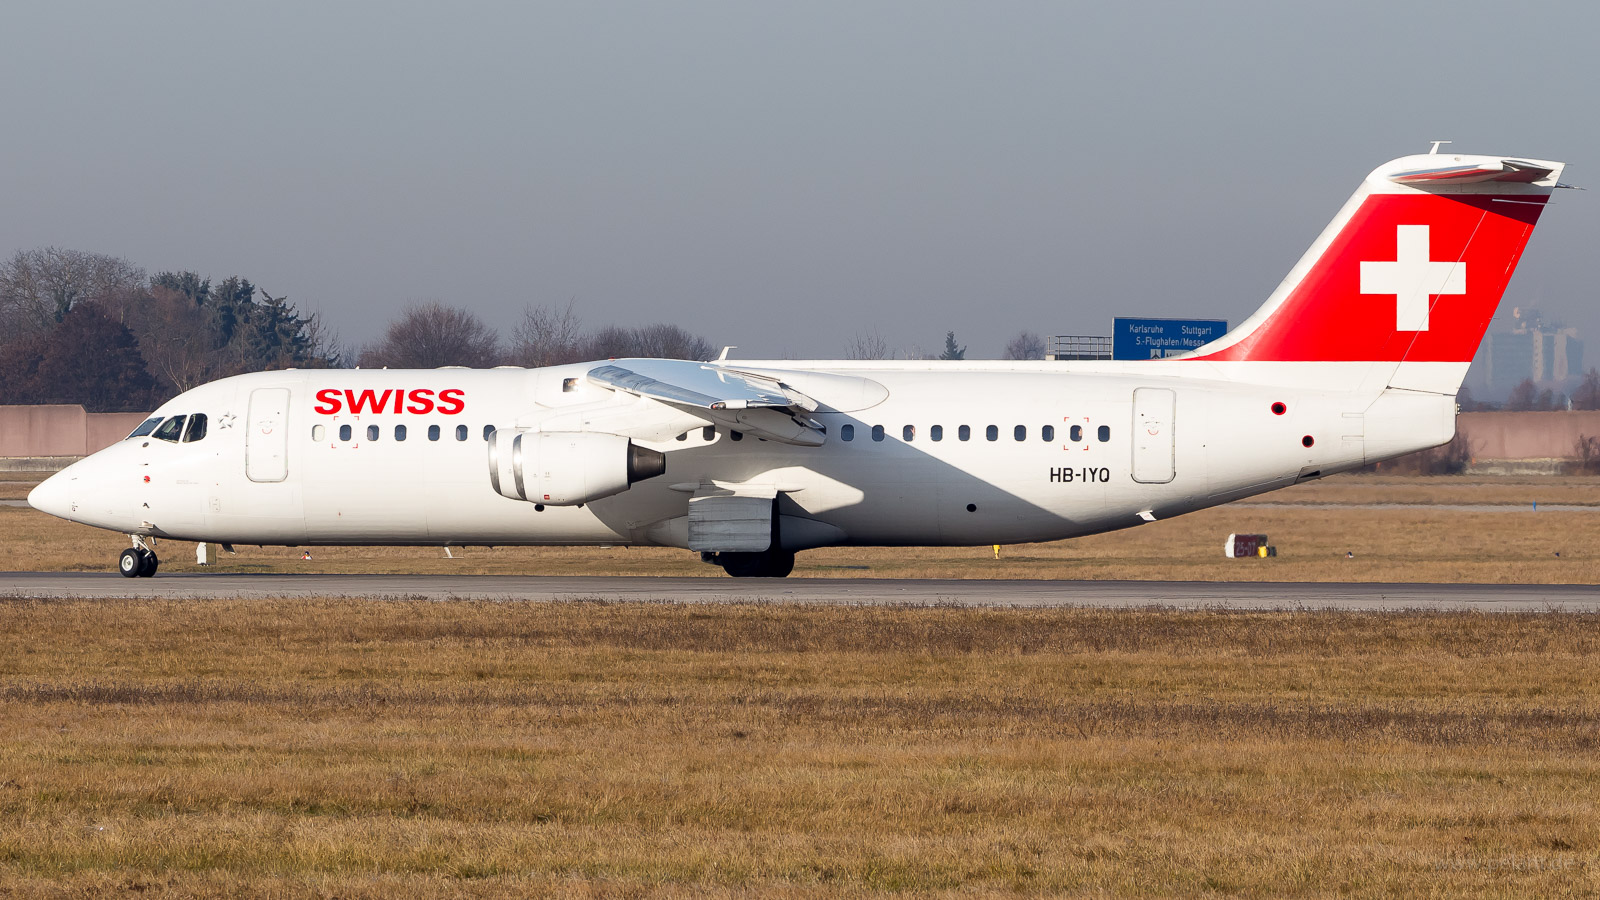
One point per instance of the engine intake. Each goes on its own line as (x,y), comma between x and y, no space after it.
(567,468)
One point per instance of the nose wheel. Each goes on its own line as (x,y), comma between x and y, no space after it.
(138,561)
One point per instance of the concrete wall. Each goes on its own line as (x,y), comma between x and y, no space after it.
(1526,435)
(60,430)
(104,429)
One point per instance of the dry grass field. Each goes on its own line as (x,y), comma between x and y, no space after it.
(1421,540)
(415,749)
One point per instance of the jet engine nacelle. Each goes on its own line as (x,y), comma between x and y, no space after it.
(565,468)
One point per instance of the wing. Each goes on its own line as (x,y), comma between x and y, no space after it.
(757,404)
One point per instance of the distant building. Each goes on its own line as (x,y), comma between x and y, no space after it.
(1547,353)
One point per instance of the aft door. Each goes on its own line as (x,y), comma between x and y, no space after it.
(266,442)
(1153,414)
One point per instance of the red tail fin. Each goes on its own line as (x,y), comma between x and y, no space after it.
(1411,270)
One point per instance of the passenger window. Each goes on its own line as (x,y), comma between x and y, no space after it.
(684,436)
(736,435)
(936,433)
(992,432)
(847,432)
(1020,432)
(1075,432)
(568,385)
(170,430)
(1105,433)
(372,432)
(433,432)
(488,432)
(399,432)
(877,432)
(1047,433)
(461,432)
(318,433)
(145,427)
(964,433)
(708,433)
(908,433)
(196,430)
(344,432)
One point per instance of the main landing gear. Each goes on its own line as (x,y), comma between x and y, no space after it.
(138,561)
(766,564)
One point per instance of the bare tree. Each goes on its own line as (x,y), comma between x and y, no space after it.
(548,337)
(869,344)
(1525,396)
(610,342)
(326,349)
(1586,450)
(175,339)
(666,341)
(431,335)
(661,341)
(1026,345)
(1587,396)
(39,287)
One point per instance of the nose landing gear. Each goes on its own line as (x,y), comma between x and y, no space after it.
(138,561)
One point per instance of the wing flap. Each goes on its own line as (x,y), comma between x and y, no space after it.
(762,406)
(699,384)
(731,518)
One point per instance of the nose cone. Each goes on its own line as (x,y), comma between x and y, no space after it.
(53,496)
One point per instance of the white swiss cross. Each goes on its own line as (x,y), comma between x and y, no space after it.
(1412,278)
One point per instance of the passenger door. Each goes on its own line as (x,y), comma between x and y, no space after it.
(1154,410)
(266,441)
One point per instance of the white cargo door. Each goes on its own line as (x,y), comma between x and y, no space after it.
(1153,413)
(266,439)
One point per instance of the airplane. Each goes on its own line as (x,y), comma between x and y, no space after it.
(1356,357)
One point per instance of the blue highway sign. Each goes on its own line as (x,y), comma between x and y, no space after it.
(1157,338)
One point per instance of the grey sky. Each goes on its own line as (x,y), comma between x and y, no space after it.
(776,176)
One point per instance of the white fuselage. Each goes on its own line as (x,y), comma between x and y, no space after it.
(1127,443)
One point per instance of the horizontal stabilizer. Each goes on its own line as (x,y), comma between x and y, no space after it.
(1513,171)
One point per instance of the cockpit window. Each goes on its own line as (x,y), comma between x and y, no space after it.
(196,429)
(170,430)
(145,427)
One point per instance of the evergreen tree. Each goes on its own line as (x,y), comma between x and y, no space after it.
(190,285)
(90,359)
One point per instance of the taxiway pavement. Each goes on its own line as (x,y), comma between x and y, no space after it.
(1105,594)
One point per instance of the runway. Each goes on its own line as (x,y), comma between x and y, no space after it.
(1102,594)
